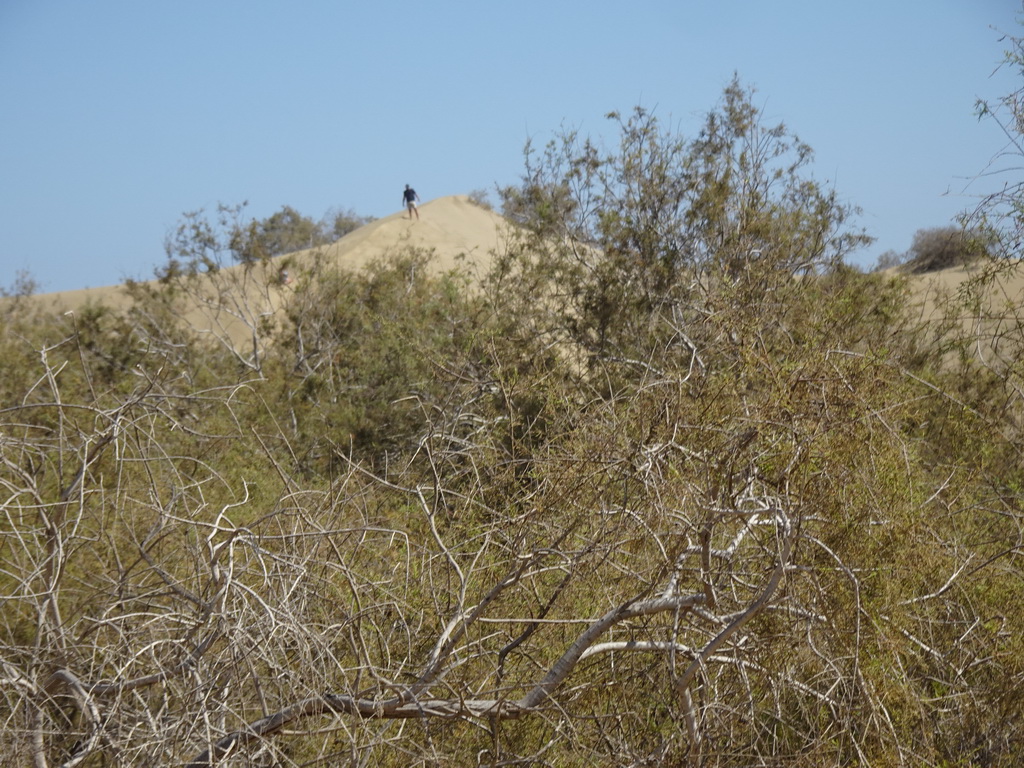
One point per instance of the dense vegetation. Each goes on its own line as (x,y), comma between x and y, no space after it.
(668,485)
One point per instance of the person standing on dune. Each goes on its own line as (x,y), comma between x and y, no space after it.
(410,198)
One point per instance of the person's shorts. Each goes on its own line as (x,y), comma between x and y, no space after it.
(410,204)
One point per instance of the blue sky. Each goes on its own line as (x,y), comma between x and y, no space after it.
(118,116)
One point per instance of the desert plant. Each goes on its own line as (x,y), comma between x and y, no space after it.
(941,248)
(339,222)
(751,517)
(481,197)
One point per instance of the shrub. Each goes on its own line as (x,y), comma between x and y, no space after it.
(942,248)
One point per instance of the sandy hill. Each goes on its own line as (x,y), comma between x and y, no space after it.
(987,303)
(457,231)
(452,227)
(1000,293)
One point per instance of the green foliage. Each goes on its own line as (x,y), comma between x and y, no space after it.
(203,244)
(280,233)
(339,222)
(673,221)
(941,248)
(890,259)
(481,198)
(24,285)
(423,490)
(370,355)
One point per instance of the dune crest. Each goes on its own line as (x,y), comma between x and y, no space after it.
(456,230)
(460,233)
(450,226)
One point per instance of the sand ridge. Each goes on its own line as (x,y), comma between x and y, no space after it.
(457,231)
(450,226)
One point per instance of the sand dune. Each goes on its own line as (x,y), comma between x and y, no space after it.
(229,305)
(1003,294)
(452,227)
(460,233)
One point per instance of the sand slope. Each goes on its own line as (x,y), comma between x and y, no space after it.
(458,232)
(450,226)
(1003,294)
(985,303)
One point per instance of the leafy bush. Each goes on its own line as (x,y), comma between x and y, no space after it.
(481,198)
(942,248)
(675,487)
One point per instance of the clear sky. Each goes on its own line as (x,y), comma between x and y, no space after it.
(116,116)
